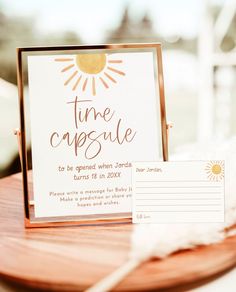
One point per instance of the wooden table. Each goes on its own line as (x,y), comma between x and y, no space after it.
(73,258)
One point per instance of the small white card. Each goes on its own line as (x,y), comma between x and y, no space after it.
(174,192)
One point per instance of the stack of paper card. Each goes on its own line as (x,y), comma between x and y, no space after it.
(171,192)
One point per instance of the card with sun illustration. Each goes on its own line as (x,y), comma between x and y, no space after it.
(92,111)
(178,192)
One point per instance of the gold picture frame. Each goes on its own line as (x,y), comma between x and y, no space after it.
(22,53)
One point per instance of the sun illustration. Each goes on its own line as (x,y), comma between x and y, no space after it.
(215,170)
(89,71)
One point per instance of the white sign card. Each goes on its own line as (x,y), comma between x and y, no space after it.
(173,192)
(92,114)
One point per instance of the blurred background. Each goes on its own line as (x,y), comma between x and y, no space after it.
(199,57)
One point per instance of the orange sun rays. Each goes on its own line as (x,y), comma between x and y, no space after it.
(77,83)
(86,81)
(215,170)
(71,77)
